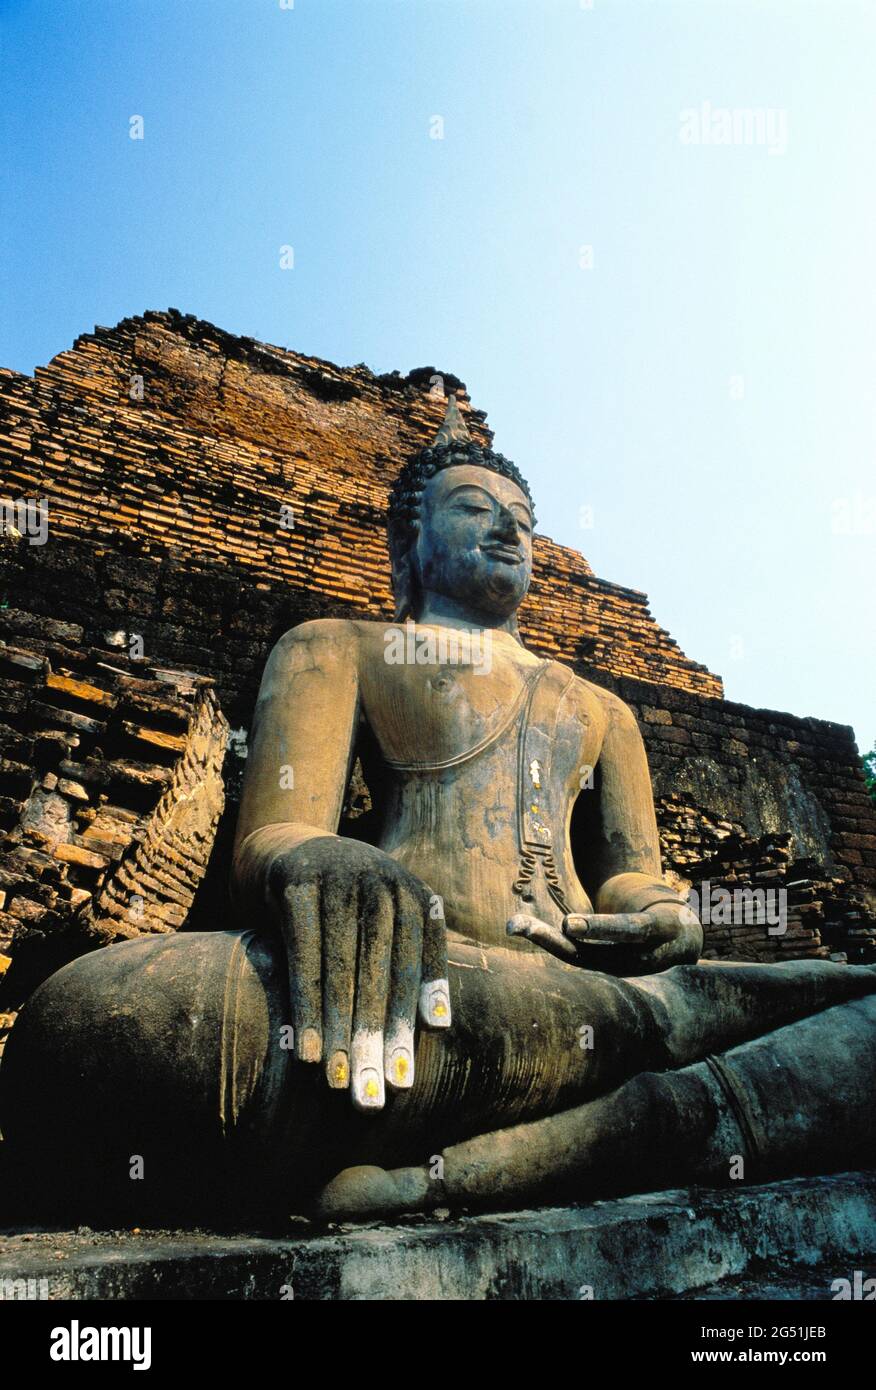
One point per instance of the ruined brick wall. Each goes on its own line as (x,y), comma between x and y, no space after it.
(821,913)
(759,797)
(111,790)
(168,511)
(771,772)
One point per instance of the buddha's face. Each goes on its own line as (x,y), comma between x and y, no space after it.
(475,540)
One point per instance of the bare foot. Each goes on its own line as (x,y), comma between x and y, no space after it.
(365,1191)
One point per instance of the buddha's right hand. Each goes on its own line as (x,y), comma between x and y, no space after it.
(366,948)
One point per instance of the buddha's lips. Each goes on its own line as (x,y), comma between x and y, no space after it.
(507,553)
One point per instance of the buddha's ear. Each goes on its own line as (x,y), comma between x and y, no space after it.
(405,588)
(512,621)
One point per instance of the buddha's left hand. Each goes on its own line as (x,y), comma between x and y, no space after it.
(677,939)
(669,933)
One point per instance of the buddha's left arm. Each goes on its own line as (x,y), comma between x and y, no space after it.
(626,851)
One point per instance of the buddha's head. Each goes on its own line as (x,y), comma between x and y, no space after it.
(460,526)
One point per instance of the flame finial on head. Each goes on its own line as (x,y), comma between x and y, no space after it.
(453,429)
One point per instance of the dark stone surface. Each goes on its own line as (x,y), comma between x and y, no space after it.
(787,1240)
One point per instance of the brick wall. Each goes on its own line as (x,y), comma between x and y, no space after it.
(772,772)
(177,498)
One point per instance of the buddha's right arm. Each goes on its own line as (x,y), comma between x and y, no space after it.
(363,951)
(301,748)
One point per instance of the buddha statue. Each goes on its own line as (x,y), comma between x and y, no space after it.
(491,995)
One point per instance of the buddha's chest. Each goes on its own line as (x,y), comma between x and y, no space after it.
(449,706)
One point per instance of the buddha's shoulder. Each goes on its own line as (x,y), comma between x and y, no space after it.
(319,637)
(348,636)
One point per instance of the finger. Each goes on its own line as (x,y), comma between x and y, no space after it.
(302,935)
(629,928)
(372,989)
(551,938)
(407,962)
(435,987)
(339,945)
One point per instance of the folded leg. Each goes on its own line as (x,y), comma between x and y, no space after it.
(176,1049)
(796,1101)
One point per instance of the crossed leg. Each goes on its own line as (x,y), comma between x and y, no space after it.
(795,1098)
(171,1048)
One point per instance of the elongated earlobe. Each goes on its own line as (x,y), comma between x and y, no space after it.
(405,589)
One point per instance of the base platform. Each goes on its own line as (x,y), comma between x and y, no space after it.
(786,1240)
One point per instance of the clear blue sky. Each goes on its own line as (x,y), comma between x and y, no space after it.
(612,387)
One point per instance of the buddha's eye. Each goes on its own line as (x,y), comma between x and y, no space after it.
(473,507)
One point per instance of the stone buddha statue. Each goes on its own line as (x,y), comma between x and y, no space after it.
(491,995)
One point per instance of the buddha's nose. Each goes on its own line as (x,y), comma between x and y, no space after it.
(506,526)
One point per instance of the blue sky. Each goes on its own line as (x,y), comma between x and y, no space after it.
(697,389)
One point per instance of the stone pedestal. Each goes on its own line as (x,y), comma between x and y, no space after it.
(782,1240)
